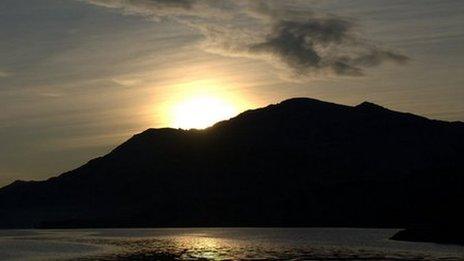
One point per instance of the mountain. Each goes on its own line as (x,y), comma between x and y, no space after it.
(436,234)
(301,162)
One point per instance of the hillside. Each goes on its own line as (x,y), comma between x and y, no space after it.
(301,162)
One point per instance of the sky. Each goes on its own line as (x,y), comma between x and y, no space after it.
(78,77)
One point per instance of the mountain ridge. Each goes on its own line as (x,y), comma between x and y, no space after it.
(363,105)
(298,162)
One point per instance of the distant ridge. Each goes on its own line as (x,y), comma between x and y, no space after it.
(301,162)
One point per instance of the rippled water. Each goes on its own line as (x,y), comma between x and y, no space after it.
(217,244)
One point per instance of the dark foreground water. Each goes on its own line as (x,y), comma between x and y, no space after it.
(217,244)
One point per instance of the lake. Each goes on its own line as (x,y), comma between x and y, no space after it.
(218,244)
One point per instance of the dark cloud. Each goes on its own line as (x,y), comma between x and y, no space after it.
(295,43)
(321,44)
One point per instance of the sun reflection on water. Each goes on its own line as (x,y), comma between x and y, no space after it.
(200,247)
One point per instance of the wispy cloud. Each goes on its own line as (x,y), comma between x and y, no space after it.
(301,40)
(4,74)
(158,9)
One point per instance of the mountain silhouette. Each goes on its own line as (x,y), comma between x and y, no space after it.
(301,162)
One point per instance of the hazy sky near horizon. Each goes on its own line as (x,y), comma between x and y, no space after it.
(78,77)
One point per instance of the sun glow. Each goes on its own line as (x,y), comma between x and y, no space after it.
(201,112)
(200,104)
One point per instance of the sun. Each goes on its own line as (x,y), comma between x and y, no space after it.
(202,111)
(200,103)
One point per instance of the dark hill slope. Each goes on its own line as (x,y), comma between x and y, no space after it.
(300,162)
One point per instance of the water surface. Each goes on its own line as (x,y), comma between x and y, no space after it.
(218,244)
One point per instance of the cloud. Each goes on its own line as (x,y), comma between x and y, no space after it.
(4,74)
(298,39)
(145,5)
(322,44)
(158,9)
(126,81)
